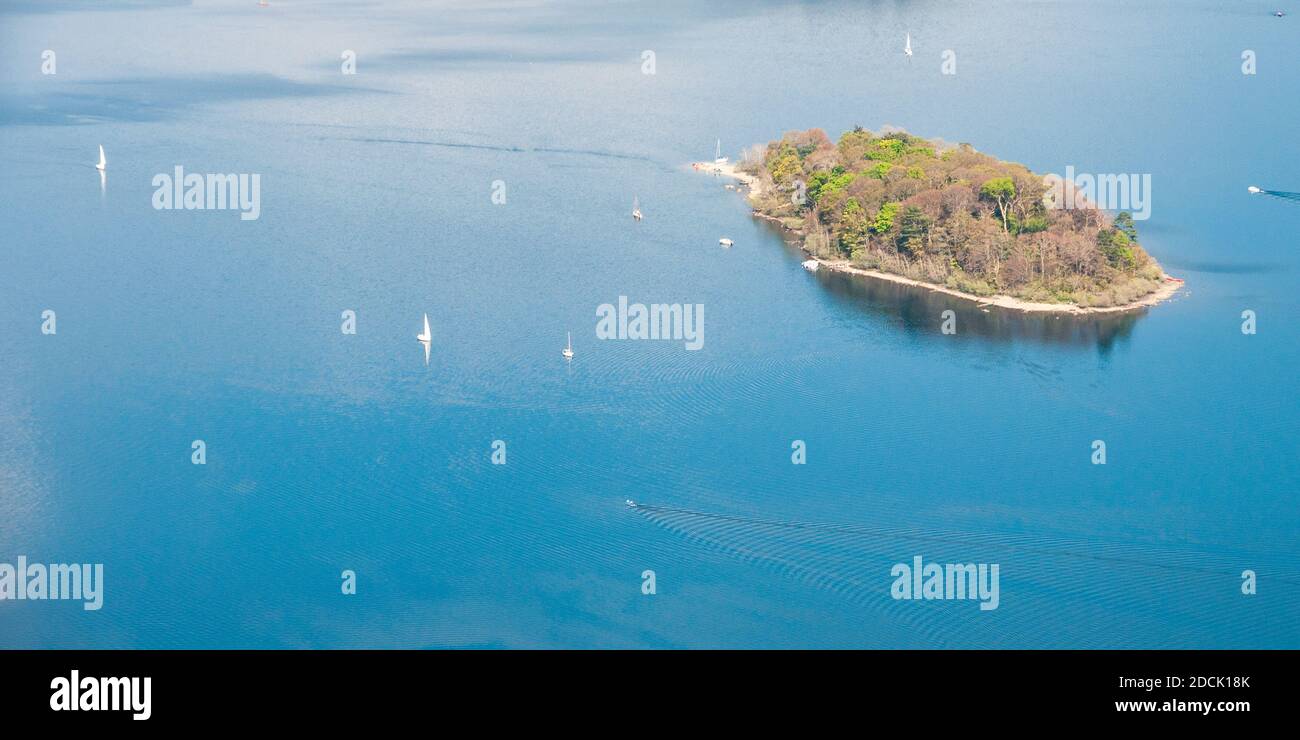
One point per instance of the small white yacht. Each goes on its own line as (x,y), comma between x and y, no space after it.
(636,209)
(1253,190)
(717,154)
(724,241)
(907,48)
(426,338)
(568,349)
(811,265)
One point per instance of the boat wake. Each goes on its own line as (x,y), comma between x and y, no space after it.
(1059,590)
(1283,194)
(503,148)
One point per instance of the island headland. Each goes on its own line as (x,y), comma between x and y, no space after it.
(893,206)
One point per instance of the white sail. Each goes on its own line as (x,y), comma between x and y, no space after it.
(102,161)
(426,339)
(908,48)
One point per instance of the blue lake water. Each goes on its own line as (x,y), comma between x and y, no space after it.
(329,452)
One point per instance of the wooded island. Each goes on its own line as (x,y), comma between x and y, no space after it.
(947,215)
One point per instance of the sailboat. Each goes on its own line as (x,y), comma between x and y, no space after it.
(717,154)
(102,162)
(568,350)
(907,49)
(426,339)
(636,209)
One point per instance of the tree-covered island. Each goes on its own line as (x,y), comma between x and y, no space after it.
(947,215)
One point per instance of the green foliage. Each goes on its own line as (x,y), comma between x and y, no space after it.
(931,225)
(1117,248)
(1031,225)
(828,183)
(817,181)
(885,218)
(887,150)
(1124,223)
(853,228)
(786,166)
(853,145)
(879,170)
(998,189)
(913,230)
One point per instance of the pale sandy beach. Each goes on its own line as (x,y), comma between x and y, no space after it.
(1164,292)
(1168,286)
(730,171)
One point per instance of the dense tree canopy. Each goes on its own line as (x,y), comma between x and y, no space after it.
(947,214)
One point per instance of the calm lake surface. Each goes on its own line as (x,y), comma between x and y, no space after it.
(329,452)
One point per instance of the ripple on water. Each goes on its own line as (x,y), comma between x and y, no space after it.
(1053,590)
